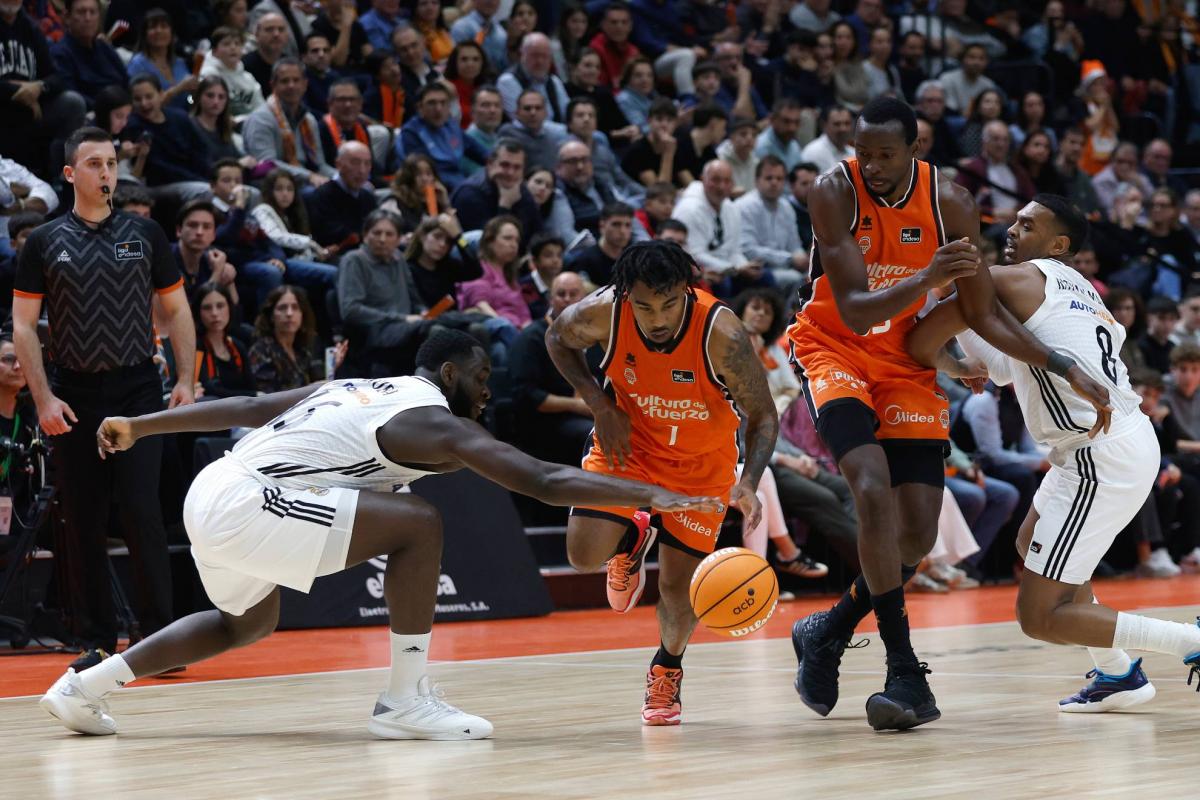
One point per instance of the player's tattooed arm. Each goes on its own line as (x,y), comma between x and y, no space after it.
(577,328)
(739,368)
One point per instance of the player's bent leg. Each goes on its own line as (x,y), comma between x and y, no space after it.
(676,621)
(607,538)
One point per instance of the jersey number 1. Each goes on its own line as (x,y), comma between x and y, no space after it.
(674,435)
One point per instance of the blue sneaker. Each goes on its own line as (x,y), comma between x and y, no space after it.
(1111,692)
(1193,661)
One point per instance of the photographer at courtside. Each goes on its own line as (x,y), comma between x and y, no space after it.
(97,271)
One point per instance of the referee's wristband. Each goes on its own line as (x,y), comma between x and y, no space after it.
(1058,364)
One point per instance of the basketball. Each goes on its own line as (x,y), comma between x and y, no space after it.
(734,591)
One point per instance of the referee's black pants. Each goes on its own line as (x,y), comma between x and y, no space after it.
(88,487)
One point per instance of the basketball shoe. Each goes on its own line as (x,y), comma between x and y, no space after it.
(627,571)
(424,715)
(662,705)
(906,700)
(1193,661)
(77,710)
(1109,692)
(819,650)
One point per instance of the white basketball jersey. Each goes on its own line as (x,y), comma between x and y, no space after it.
(1072,320)
(328,439)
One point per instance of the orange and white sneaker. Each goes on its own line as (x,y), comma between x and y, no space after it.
(627,571)
(662,696)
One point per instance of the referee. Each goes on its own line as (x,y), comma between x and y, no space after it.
(97,271)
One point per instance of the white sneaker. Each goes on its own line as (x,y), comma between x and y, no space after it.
(1159,565)
(424,715)
(78,711)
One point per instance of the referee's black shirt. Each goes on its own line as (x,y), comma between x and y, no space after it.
(98,284)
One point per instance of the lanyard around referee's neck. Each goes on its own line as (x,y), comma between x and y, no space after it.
(8,455)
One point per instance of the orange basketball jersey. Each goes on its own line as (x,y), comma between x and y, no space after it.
(678,407)
(896,241)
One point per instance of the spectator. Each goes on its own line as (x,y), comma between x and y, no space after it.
(813,15)
(659,34)
(714,233)
(532,72)
(540,137)
(801,179)
(1188,329)
(546,260)
(613,45)
(409,198)
(487,115)
(851,86)
(883,79)
(964,84)
(234,14)
(282,217)
(198,261)
(986,504)
(438,261)
(21,191)
(297,24)
(910,64)
(656,210)
(377,293)
(1077,184)
(567,44)
(1101,122)
(386,100)
(578,198)
(283,131)
(1000,187)
(737,95)
(1191,212)
(706,80)
(652,158)
(85,61)
(522,20)
(282,356)
(595,263)
(768,228)
(337,21)
(346,122)
(337,209)
(380,23)
(156,56)
(224,61)
(611,120)
(415,70)
(497,294)
(213,122)
(1165,238)
(430,21)
(779,138)
(1031,117)
(764,317)
(482,26)
(498,190)
(20,225)
(698,144)
(1162,315)
(1122,168)
(581,116)
(467,71)
(222,364)
(319,72)
(1034,157)
(986,107)
(672,230)
(1156,166)
(432,133)
(1127,309)
(1181,396)
(175,165)
(551,420)
(796,74)
(1086,264)
(931,104)
(36,105)
(834,143)
(272,34)
(740,153)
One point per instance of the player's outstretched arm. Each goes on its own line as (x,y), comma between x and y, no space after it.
(433,435)
(831,203)
(742,372)
(929,341)
(120,433)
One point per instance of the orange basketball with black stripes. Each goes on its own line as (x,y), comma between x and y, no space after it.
(734,591)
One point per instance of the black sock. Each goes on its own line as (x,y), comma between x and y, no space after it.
(664,659)
(893,624)
(852,607)
(906,573)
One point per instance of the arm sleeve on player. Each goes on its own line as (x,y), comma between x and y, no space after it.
(30,278)
(999,365)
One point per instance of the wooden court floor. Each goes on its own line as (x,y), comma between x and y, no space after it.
(567,723)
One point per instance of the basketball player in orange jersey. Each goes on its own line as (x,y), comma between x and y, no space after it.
(676,361)
(888,229)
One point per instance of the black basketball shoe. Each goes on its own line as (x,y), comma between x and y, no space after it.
(906,700)
(819,650)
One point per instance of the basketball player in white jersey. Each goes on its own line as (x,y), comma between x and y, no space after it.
(1102,469)
(312,491)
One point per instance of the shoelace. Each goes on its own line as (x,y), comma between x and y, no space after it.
(619,570)
(432,706)
(662,690)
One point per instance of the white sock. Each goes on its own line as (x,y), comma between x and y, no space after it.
(1156,635)
(1110,661)
(410,657)
(109,675)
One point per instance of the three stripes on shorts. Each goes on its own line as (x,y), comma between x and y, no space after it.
(296,509)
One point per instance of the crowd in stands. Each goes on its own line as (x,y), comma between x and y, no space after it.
(340,177)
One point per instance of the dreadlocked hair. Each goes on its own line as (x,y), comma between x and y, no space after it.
(658,264)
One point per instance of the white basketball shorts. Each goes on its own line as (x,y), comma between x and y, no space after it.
(1088,496)
(250,535)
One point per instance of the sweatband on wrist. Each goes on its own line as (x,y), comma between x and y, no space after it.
(1058,364)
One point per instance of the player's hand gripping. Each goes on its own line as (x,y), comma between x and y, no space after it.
(953,260)
(115,434)
(612,432)
(745,497)
(663,500)
(1096,394)
(973,373)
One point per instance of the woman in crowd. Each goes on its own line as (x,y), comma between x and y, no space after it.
(467,69)
(1035,156)
(430,22)
(156,55)
(851,86)
(1031,116)
(409,191)
(521,21)
(112,110)
(497,294)
(1127,308)
(284,219)
(540,183)
(213,121)
(283,355)
(988,105)
(222,363)
(235,14)
(567,44)
(385,100)
(637,92)
(610,119)
(438,262)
